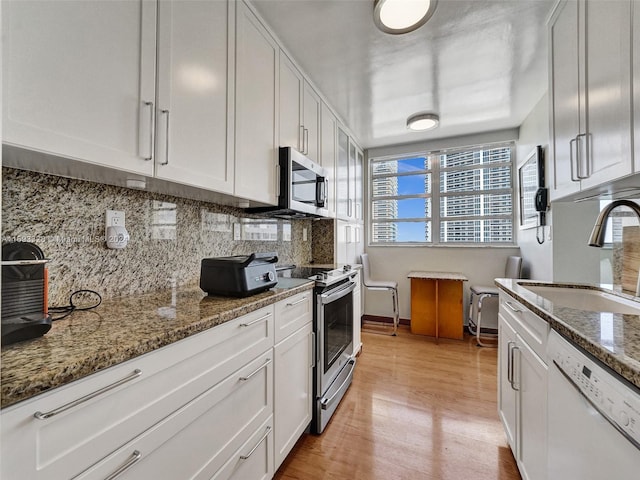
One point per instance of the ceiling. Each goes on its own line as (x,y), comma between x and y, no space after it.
(480,64)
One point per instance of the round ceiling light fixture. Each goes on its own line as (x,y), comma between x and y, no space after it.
(402,16)
(423,121)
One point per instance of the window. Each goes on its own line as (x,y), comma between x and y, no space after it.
(461,196)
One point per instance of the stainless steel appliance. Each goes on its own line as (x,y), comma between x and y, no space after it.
(303,188)
(24,292)
(239,276)
(333,328)
(594,418)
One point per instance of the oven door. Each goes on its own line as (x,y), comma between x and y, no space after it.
(335,332)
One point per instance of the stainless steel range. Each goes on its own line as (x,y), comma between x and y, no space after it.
(333,328)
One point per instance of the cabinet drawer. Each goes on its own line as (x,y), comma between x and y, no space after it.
(293,313)
(252,461)
(533,329)
(199,438)
(66,443)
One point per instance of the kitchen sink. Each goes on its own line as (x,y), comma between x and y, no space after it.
(585,299)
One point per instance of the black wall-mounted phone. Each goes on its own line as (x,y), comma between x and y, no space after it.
(542,199)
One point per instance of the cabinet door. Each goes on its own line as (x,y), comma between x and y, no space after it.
(341,241)
(293,358)
(256,146)
(194,60)
(565,105)
(311,109)
(290,102)
(532,439)
(636,84)
(342,175)
(79,80)
(507,404)
(328,146)
(353,159)
(608,100)
(358,193)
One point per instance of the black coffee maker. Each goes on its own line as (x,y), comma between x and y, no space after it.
(24,292)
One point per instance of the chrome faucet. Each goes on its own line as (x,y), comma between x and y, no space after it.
(599,229)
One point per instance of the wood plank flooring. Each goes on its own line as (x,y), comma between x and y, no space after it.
(415,410)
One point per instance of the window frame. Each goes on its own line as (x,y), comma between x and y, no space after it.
(435,195)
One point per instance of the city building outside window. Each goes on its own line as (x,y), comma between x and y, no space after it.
(458,196)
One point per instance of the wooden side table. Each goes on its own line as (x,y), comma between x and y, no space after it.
(436,304)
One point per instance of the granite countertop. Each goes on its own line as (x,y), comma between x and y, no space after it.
(612,338)
(119,330)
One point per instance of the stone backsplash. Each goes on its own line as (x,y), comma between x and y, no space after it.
(168,235)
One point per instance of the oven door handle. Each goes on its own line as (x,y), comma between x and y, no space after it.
(325,402)
(337,294)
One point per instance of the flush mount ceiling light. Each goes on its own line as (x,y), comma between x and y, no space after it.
(423,121)
(402,16)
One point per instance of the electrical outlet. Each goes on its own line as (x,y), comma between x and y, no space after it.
(115,218)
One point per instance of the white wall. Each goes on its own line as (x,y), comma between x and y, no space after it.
(537,260)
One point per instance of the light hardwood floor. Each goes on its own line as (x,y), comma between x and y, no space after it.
(415,410)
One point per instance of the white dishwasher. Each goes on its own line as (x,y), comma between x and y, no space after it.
(594,418)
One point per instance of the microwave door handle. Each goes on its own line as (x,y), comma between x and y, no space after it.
(320,191)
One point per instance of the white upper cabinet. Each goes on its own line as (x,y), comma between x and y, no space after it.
(343,208)
(256,146)
(311,116)
(193,143)
(291,96)
(636,84)
(328,146)
(299,111)
(590,94)
(79,80)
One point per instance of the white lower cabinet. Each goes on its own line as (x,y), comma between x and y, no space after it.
(188,390)
(293,357)
(522,386)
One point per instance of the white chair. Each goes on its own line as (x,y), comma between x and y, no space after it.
(478,302)
(381,285)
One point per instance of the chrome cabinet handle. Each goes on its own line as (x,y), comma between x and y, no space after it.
(313,349)
(149,156)
(305,141)
(135,456)
(266,434)
(43,416)
(515,385)
(166,138)
(579,156)
(257,320)
(302,300)
(510,346)
(574,178)
(512,308)
(301,139)
(255,372)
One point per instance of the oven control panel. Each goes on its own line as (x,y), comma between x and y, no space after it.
(617,402)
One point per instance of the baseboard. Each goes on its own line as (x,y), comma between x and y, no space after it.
(380,319)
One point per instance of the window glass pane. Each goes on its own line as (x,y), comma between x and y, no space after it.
(475,179)
(404,185)
(475,157)
(475,205)
(403,208)
(475,231)
(405,232)
(404,165)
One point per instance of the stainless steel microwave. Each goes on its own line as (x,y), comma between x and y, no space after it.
(303,188)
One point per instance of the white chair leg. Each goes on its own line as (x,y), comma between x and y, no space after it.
(396,311)
(478,326)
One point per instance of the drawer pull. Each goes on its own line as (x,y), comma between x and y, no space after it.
(43,416)
(266,434)
(264,317)
(255,372)
(512,308)
(302,300)
(135,456)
